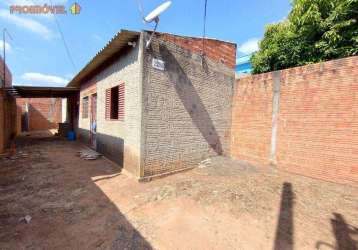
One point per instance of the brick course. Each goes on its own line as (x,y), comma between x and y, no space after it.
(8,75)
(252,119)
(218,51)
(187,107)
(317,123)
(8,112)
(43,113)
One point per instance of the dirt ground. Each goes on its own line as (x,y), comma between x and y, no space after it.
(78,204)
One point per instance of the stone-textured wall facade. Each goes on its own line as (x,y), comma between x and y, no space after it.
(187,107)
(316,122)
(43,113)
(116,139)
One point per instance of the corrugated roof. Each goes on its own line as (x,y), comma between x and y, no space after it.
(36,91)
(115,45)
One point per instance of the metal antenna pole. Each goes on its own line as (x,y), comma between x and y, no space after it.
(4,51)
(3,47)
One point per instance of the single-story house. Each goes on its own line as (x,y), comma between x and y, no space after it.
(156,109)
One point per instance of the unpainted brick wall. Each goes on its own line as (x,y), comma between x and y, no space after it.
(7,119)
(8,76)
(7,109)
(187,106)
(218,51)
(252,119)
(317,123)
(43,113)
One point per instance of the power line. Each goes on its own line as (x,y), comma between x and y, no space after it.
(64,41)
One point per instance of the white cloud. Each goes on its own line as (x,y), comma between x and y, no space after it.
(97,37)
(250,46)
(39,79)
(27,23)
(8,47)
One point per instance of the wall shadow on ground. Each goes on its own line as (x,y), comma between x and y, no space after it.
(285,229)
(191,100)
(83,216)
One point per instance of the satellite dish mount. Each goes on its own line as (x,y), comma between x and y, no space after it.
(154,17)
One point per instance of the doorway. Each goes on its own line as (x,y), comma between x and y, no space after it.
(93,122)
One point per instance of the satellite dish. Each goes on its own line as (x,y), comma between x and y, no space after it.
(154,16)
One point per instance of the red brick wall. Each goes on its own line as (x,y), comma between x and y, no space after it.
(317,123)
(7,110)
(44,113)
(7,119)
(218,51)
(8,75)
(252,119)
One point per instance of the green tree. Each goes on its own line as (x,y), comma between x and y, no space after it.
(315,31)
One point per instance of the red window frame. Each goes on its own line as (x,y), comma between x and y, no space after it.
(115,96)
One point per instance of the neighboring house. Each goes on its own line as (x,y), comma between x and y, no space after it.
(8,110)
(160,109)
(39,113)
(243,65)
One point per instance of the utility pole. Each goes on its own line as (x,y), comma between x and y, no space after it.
(4,52)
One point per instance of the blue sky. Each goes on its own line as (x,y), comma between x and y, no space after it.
(36,55)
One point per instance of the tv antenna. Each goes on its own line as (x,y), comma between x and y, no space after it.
(153,16)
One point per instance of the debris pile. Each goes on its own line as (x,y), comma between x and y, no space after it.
(205,163)
(26,219)
(89,154)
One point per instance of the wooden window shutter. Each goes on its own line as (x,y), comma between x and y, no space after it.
(121,94)
(108,104)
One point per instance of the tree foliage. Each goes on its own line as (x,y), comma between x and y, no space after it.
(315,31)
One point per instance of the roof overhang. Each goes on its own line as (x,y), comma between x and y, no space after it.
(114,48)
(43,92)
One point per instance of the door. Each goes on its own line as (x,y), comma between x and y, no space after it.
(93,121)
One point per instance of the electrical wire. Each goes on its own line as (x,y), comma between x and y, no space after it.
(64,41)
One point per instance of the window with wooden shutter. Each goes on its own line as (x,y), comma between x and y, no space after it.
(121,101)
(115,103)
(108,104)
(85,107)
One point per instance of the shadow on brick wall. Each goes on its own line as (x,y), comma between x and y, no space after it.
(35,120)
(191,100)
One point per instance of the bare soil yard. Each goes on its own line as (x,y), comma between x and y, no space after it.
(78,204)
